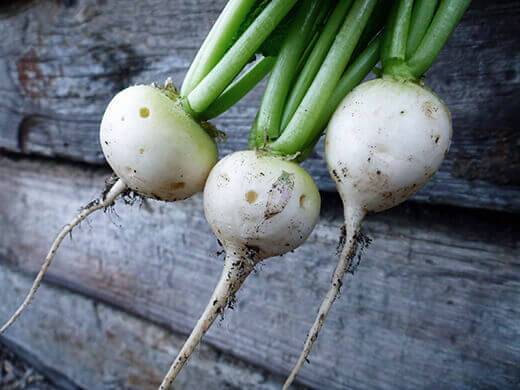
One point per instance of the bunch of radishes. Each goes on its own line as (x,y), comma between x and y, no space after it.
(386,138)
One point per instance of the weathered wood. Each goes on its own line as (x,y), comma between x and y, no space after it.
(434,304)
(98,347)
(60,62)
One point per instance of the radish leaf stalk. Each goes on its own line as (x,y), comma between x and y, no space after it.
(422,15)
(217,42)
(240,87)
(271,108)
(442,26)
(216,81)
(398,31)
(315,60)
(302,127)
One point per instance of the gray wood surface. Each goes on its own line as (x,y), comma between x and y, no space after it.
(96,346)
(61,61)
(435,302)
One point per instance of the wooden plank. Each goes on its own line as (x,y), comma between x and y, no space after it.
(435,303)
(99,347)
(62,61)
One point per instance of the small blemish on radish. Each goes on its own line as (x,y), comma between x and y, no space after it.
(178,185)
(429,108)
(223,179)
(251,197)
(302,201)
(144,112)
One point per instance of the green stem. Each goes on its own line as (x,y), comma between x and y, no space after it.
(443,24)
(239,88)
(374,26)
(216,43)
(399,30)
(251,141)
(238,55)
(271,108)
(307,52)
(302,128)
(387,38)
(315,34)
(315,60)
(422,15)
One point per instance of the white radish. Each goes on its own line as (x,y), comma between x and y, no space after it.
(258,206)
(384,142)
(153,146)
(156,150)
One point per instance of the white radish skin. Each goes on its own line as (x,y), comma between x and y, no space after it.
(258,206)
(384,142)
(154,146)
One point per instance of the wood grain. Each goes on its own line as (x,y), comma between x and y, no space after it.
(95,346)
(434,304)
(62,61)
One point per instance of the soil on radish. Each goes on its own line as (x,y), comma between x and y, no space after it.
(361,243)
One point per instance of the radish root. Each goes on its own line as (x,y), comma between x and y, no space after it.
(105,201)
(344,264)
(236,270)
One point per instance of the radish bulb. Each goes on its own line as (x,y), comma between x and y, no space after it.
(384,142)
(258,206)
(153,146)
(156,150)
(381,162)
